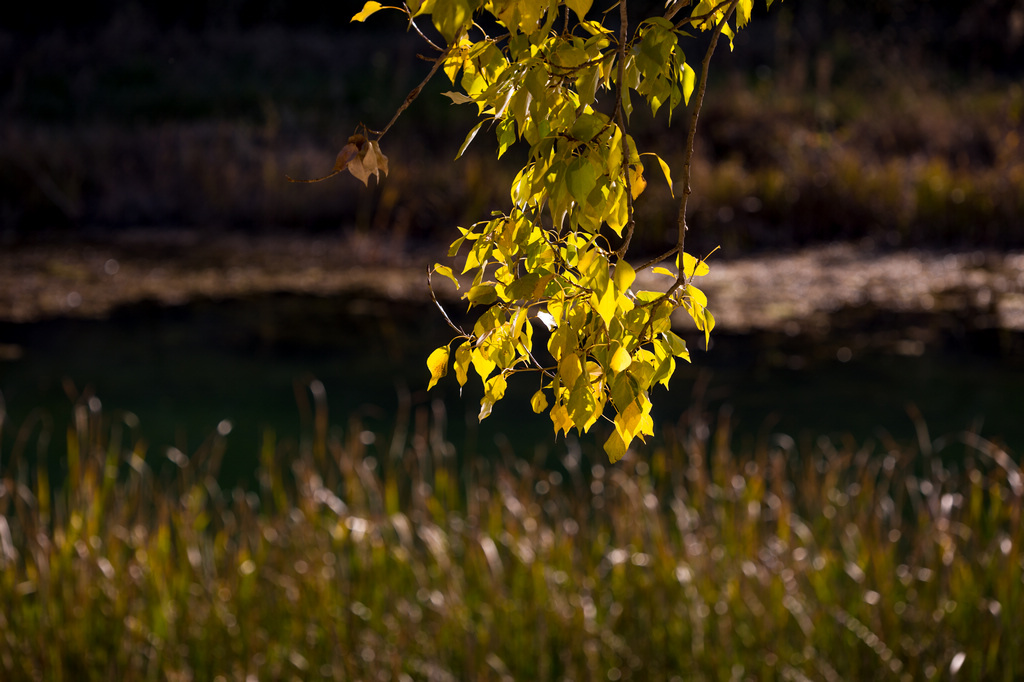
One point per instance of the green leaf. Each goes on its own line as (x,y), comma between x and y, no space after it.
(368,9)
(437,363)
(452,18)
(482,294)
(587,126)
(581,178)
(586,85)
(676,345)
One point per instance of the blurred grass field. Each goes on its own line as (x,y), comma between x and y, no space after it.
(381,556)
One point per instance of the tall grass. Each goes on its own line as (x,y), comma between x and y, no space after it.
(378,556)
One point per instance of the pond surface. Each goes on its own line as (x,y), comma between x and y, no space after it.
(182,370)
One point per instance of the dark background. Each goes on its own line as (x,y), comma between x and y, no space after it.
(119,116)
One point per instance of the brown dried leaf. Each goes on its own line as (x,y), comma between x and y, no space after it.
(347,153)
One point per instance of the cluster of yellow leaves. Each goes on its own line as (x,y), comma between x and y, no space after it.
(546,268)
(606,345)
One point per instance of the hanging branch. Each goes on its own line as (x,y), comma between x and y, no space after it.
(621,121)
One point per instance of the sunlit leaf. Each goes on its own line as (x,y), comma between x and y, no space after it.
(368,9)
(494,390)
(458,97)
(547,320)
(624,275)
(447,272)
(664,169)
(539,402)
(580,7)
(469,138)
(676,345)
(437,363)
(637,183)
(620,359)
(463,360)
(693,267)
(689,81)
(615,447)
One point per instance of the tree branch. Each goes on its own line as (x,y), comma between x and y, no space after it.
(621,120)
(676,6)
(411,97)
(690,134)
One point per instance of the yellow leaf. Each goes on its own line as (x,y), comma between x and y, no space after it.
(570,369)
(615,447)
(627,422)
(368,9)
(605,305)
(624,276)
(580,7)
(663,271)
(693,267)
(447,272)
(637,184)
(481,363)
(463,359)
(539,402)
(664,169)
(437,363)
(698,297)
(494,390)
(620,360)
(560,418)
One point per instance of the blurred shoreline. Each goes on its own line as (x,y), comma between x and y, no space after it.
(789,292)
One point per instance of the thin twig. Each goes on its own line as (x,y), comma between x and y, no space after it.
(422,35)
(690,134)
(658,259)
(697,18)
(676,6)
(621,119)
(433,298)
(687,158)
(411,97)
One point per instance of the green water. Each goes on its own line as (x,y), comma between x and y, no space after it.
(182,371)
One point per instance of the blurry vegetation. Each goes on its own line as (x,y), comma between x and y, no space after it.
(888,121)
(379,556)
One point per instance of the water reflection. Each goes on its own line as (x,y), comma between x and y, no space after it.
(250,365)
